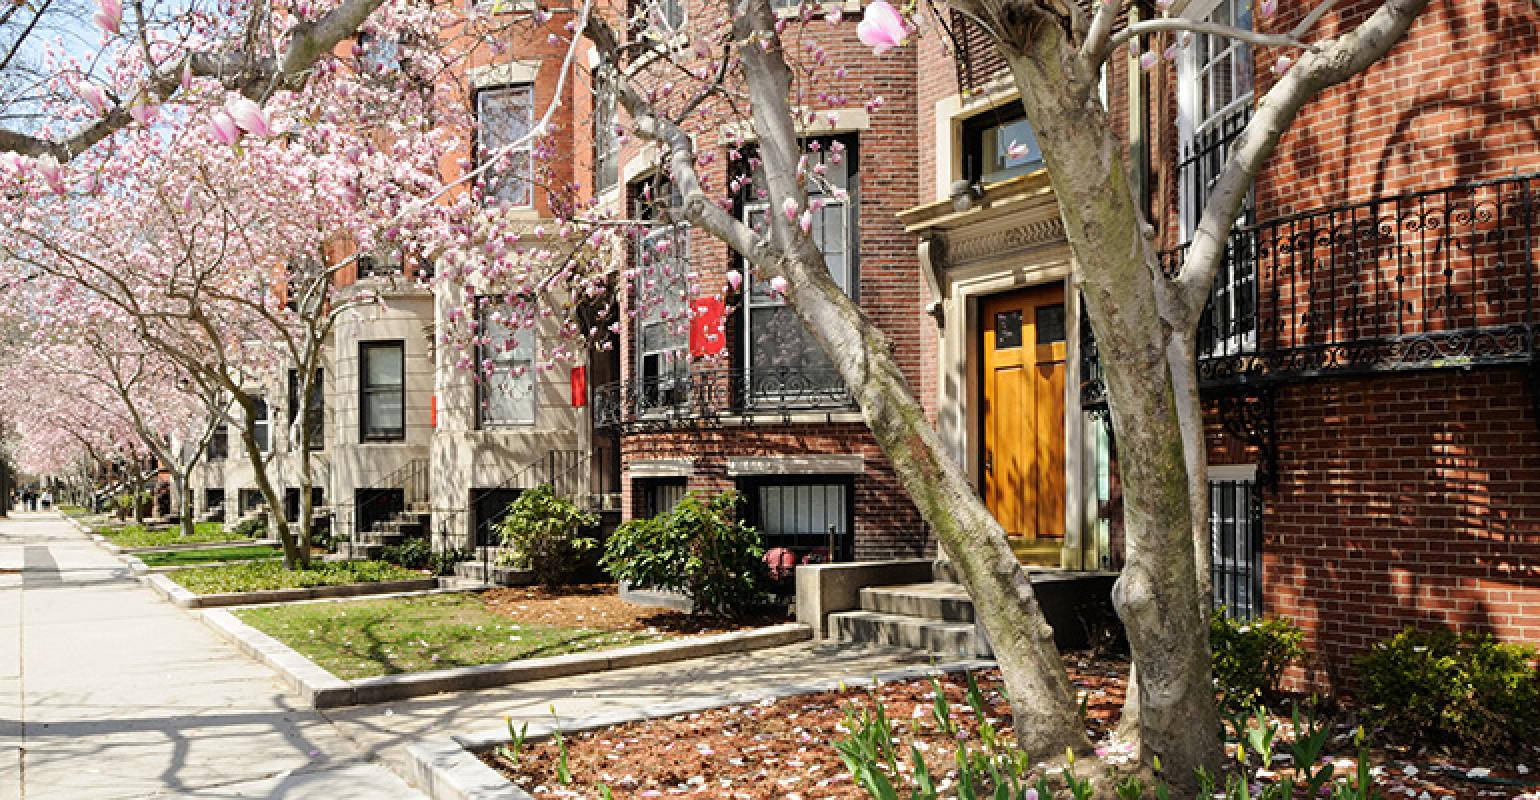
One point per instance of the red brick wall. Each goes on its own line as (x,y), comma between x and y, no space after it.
(886,523)
(1405,500)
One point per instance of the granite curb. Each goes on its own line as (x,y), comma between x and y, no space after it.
(162,584)
(321,689)
(447,768)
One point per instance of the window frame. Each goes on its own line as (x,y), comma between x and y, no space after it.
(262,423)
(221,452)
(483,390)
(1236,541)
(754,512)
(365,391)
(973,130)
(317,407)
(481,147)
(661,387)
(850,208)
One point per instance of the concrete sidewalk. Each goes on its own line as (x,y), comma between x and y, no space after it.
(106,692)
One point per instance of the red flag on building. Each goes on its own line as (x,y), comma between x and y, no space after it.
(707,335)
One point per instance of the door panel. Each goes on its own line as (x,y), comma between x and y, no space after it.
(1023,359)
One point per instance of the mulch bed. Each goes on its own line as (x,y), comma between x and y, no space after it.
(783,750)
(599,606)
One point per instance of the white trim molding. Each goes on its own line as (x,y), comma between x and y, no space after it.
(738,466)
(503,74)
(661,468)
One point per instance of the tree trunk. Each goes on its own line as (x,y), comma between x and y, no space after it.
(277,527)
(1042,703)
(184,493)
(1144,338)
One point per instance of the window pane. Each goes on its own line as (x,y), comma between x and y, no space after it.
(1007,329)
(382,366)
(383,412)
(508,394)
(802,509)
(504,117)
(1050,324)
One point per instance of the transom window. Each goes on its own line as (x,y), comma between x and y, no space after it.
(505,116)
(508,391)
(999,145)
(382,390)
(783,361)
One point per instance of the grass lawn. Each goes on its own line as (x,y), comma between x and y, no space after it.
(365,638)
(264,575)
(73,511)
(204,555)
(138,536)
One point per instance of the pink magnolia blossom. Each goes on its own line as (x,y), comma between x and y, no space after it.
(1282,65)
(1016,151)
(250,116)
(1269,8)
(94,97)
(109,15)
(734,280)
(51,171)
(778,286)
(806,221)
(223,128)
(789,208)
(882,29)
(144,112)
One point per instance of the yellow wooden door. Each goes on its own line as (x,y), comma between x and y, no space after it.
(1023,355)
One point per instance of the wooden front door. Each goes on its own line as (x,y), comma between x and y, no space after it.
(1023,355)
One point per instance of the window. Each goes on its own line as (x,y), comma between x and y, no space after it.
(1214,93)
(784,363)
(380,56)
(219,444)
(260,421)
(382,261)
(1214,96)
(661,495)
(382,390)
(606,138)
(507,394)
(1235,527)
(661,292)
(799,514)
(316,411)
(661,19)
(505,116)
(999,145)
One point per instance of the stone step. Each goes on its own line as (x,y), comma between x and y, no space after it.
(937,600)
(939,637)
(501,576)
(351,551)
(457,582)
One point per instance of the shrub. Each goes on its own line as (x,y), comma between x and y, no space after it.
(413,553)
(699,549)
(250,528)
(1467,691)
(1250,657)
(543,532)
(443,562)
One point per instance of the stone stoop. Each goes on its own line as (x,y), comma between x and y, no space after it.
(501,576)
(935,616)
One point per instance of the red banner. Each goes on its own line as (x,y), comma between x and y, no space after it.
(708,337)
(579,387)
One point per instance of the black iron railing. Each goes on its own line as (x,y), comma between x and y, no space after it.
(1433,279)
(703,395)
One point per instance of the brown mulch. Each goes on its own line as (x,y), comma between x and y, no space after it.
(599,606)
(783,750)
(775,750)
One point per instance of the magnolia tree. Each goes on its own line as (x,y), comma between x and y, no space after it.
(88,350)
(749,70)
(218,226)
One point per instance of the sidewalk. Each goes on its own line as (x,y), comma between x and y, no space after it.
(106,692)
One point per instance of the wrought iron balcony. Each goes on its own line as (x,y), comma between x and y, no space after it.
(705,396)
(1433,279)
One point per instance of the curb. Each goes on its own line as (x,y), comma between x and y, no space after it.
(179,595)
(321,689)
(446,767)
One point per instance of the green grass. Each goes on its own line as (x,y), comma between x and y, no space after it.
(262,575)
(365,638)
(73,511)
(138,536)
(204,555)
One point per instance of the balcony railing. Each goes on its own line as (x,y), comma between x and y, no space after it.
(1433,279)
(706,395)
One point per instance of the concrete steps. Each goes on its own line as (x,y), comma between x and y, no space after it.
(936,617)
(500,576)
